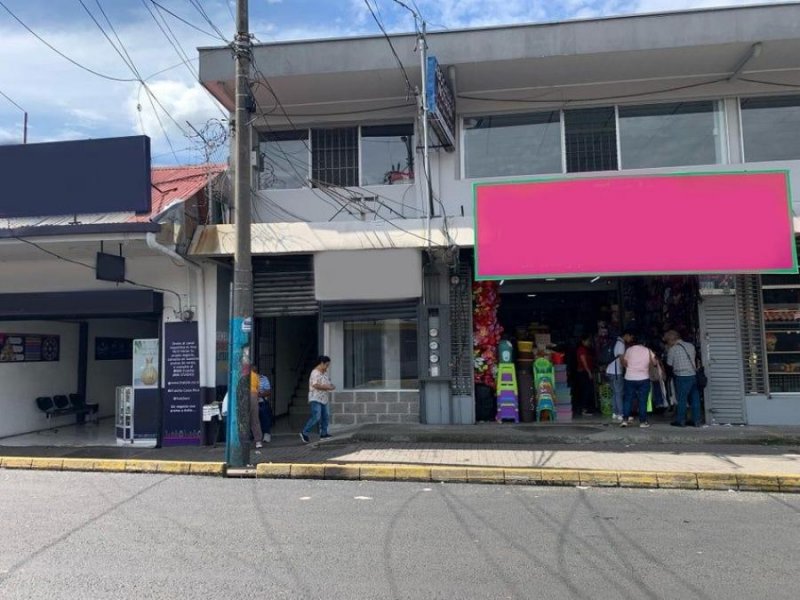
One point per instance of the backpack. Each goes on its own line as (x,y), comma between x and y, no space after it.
(607,355)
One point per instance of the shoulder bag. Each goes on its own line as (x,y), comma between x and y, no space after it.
(699,372)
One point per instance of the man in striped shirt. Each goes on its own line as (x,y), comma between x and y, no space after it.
(682,357)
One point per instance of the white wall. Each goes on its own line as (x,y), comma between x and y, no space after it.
(22,383)
(104,376)
(293,334)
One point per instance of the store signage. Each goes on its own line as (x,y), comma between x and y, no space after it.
(21,347)
(110,348)
(441,105)
(85,176)
(183,409)
(146,392)
(732,222)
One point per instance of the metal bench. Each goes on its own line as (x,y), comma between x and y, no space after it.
(62,405)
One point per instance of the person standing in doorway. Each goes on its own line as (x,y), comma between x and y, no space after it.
(255,420)
(615,375)
(682,357)
(586,375)
(637,361)
(319,396)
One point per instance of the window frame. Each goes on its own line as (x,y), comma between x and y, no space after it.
(740,110)
(349,361)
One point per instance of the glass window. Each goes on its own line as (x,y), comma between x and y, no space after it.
(781,295)
(506,145)
(285,160)
(387,154)
(380,354)
(335,156)
(591,138)
(769,128)
(669,135)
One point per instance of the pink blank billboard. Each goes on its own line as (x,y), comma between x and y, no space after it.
(706,223)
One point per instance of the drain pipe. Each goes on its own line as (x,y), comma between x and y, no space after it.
(154,244)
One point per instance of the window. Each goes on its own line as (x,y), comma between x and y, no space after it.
(591,139)
(387,154)
(781,297)
(380,354)
(504,145)
(669,135)
(769,128)
(334,156)
(285,160)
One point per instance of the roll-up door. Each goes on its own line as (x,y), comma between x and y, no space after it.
(721,345)
(369,311)
(283,286)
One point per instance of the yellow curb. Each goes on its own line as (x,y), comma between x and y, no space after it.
(758,483)
(273,470)
(77,464)
(174,467)
(449,474)
(412,473)
(523,476)
(216,469)
(789,483)
(348,472)
(488,475)
(47,464)
(109,465)
(678,481)
(17,462)
(599,478)
(560,477)
(307,471)
(717,481)
(141,466)
(377,473)
(637,479)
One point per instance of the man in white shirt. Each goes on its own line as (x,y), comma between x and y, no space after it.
(615,375)
(682,357)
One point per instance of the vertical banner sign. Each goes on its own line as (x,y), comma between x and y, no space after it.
(183,410)
(146,378)
(441,105)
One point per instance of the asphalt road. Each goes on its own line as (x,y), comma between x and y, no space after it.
(116,536)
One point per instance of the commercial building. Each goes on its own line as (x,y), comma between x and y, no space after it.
(351,259)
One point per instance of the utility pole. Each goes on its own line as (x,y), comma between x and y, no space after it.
(237,448)
(422,47)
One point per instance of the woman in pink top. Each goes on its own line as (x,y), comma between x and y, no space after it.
(636,360)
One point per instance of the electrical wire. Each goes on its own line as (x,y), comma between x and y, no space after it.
(410,88)
(198,5)
(773,83)
(185,22)
(12,102)
(61,54)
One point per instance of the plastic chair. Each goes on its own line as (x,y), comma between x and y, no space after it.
(545,404)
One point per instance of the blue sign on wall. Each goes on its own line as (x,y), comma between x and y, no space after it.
(441,105)
(77,177)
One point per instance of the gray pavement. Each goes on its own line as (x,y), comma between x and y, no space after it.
(91,535)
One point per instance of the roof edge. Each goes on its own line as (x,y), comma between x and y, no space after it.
(31,231)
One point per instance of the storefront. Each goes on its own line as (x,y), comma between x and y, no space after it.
(557,259)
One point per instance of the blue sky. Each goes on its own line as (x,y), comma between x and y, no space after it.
(66,102)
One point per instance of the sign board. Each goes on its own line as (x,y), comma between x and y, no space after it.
(146,392)
(112,348)
(441,105)
(727,222)
(21,347)
(76,177)
(183,409)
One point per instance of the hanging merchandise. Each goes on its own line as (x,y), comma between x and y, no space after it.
(487,331)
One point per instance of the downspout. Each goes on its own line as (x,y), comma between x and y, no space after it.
(153,244)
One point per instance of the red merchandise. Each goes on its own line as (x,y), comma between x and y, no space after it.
(487,330)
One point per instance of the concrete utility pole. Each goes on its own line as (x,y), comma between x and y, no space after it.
(237,448)
(422,47)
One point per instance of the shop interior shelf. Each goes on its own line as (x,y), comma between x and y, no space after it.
(784,330)
(783,351)
(785,373)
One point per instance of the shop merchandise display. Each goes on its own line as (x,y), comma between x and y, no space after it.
(486,331)
(507,393)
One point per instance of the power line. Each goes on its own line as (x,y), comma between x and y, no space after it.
(185,22)
(57,51)
(391,46)
(198,5)
(12,102)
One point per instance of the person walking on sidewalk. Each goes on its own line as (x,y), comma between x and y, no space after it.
(255,419)
(265,407)
(616,376)
(682,357)
(637,362)
(319,396)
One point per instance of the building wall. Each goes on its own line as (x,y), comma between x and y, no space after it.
(361,407)
(778,409)
(22,383)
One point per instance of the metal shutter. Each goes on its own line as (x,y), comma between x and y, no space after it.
(369,311)
(283,286)
(751,325)
(722,356)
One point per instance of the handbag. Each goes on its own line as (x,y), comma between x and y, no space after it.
(654,370)
(699,372)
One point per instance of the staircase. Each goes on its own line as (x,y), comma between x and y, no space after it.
(299,410)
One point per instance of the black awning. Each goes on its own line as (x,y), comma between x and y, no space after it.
(81,305)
